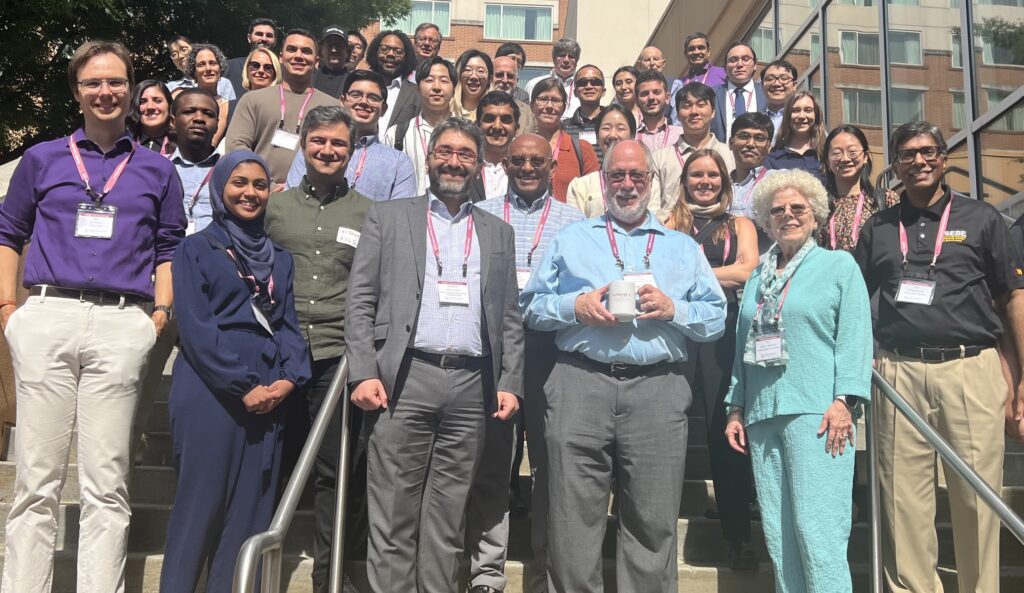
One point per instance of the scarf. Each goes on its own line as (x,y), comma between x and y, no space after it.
(705,211)
(249,240)
(772,287)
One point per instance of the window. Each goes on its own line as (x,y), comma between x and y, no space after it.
(429,11)
(1011,3)
(958,56)
(907,105)
(858,48)
(862,107)
(815,47)
(524,23)
(903,2)
(528,73)
(992,53)
(763,43)
(905,47)
(857,2)
(1013,121)
(959,110)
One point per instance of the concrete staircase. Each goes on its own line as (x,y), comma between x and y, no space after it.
(702,553)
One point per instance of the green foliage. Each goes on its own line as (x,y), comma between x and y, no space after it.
(1003,33)
(37,38)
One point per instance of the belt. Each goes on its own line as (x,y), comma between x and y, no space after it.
(450,361)
(940,354)
(96,297)
(620,370)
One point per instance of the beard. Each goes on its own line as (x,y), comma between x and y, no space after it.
(447,189)
(628,214)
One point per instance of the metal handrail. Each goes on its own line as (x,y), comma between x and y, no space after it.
(268,545)
(953,461)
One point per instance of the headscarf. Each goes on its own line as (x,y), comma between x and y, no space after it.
(249,240)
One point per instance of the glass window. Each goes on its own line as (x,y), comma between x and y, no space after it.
(998,28)
(815,47)
(1012,121)
(792,14)
(425,11)
(959,110)
(993,51)
(528,73)
(907,105)
(523,23)
(804,53)
(858,48)
(862,107)
(957,51)
(1001,167)
(857,2)
(904,2)
(762,41)
(923,37)
(905,47)
(958,176)
(1012,3)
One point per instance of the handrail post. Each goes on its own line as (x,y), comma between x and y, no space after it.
(876,521)
(337,573)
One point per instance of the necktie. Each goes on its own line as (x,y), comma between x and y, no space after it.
(741,105)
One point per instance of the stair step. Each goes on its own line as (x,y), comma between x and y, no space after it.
(149,485)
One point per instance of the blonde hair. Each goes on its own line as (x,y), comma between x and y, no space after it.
(246,83)
(681,216)
(802,182)
(817,130)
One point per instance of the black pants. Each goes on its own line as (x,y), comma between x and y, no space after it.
(709,370)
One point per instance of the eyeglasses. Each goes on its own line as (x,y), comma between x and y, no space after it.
(784,79)
(637,177)
(556,101)
(798,210)
(584,82)
(838,155)
(535,161)
(445,153)
(929,153)
(371,98)
(388,49)
(747,137)
(256,67)
(505,75)
(115,85)
(431,41)
(744,59)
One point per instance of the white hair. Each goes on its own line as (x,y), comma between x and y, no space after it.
(802,182)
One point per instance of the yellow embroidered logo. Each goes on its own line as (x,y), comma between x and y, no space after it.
(955,237)
(1019,271)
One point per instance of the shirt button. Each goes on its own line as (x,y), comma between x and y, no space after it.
(319,228)
(921,235)
(317,252)
(314,276)
(311,327)
(312,302)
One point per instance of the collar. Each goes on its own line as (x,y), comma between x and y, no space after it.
(367,141)
(124,142)
(396,83)
(565,80)
(578,118)
(683,146)
(643,127)
(786,149)
(749,87)
(520,204)
(696,71)
(649,225)
(439,207)
(934,211)
(178,159)
(750,176)
(340,190)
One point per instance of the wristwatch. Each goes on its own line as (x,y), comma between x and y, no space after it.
(165,309)
(850,401)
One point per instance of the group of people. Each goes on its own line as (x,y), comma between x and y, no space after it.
(497,260)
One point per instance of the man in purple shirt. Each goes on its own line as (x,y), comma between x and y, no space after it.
(104,219)
(698,53)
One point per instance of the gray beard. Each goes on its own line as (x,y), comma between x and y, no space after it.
(628,215)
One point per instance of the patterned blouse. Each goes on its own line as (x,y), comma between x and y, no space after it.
(838,232)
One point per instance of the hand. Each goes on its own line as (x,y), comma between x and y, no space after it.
(838,423)
(1015,415)
(277,187)
(159,321)
(655,304)
(259,400)
(369,395)
(5,315)
(508,405)
(735,433)
(282,388)
(591,311)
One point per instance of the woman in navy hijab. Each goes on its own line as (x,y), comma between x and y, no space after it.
(241,355)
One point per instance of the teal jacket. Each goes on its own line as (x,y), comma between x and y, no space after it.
(827,320)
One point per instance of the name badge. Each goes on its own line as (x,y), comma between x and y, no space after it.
(522,277)
(590,136)
(768,347)
(95,221)
(452,293)
(916,291)
(261,318)
(284,139)
(190,228)
(347,236)
(640,278)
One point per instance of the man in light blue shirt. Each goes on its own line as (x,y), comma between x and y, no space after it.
(194,119)
(617,398)
(536,217)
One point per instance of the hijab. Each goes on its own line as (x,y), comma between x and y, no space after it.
(249,240)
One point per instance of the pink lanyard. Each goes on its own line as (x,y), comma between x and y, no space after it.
(195,197)
(359,167)
(302,110)
(558,149)
(419,134)
(615,247)
(726,250)
(540,225)
(163,148)
(750,192)
(437,249)
(109,186)
(856,224)
(252,279)
(939,237)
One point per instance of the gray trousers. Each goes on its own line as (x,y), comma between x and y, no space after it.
(637,426)
(487,515)
(422,453)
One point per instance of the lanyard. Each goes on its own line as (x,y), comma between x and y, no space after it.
(943,222)
(725,251)
(540,225)
(195,196)
(750,192)
(109,186)
(732,99)
(302,110)
(778,311)
(359,167)
(856,224)
(419,134)
(437,249)
(163,148)
(558,147)
(615,247)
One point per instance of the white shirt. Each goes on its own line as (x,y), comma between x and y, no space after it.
(417,137)
(393,89)
(495,180)
(749,99)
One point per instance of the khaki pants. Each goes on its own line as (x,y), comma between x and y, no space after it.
(964,401)
(75,363)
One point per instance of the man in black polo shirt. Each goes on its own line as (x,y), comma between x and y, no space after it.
(950,319)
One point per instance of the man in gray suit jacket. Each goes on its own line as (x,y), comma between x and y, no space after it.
(435,342)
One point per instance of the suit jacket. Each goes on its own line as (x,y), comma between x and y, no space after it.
(235,67)
(406,106)
(718,124)
(386,283)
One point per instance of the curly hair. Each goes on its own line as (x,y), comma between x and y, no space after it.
(190,64)
(802,182)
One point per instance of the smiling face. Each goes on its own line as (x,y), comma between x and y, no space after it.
(474,78)
(368,103)
(779,84)
(327,151)
(921,176)
(846,157)
(506,74)
(451,177)
(333,53)
(625,87)
(548,109)
(247,192)
(436,90)
(264,35)
(427,43)
(801,117)
(790,230)
(696,115)
(589,86)
(102,105)
(391,52)
(195,120)
(651,97)
(498,123)
(356,51)
(651,58)
(180,50)
(750,147)
(154,112)
(627,199)
(703,182)
(565,65)
(261,71)
(529,166)
(697,52)
(740,65)
(614,127)
(298,57)
(207,71)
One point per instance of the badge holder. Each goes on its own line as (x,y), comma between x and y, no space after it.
(916,289)
(95,220)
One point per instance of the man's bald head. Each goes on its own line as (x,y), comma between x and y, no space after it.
(628,167)
(651,58)
(506,74)
(529,166)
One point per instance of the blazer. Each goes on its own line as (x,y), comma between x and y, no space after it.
(718,124)
(406,106)
(386,284)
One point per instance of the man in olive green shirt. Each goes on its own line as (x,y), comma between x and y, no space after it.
(319,223)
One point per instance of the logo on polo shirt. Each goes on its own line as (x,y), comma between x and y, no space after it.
(955,237)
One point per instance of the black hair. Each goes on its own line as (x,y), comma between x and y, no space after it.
(736,44)
(133,121)
(510,47)
(696,89)
(175,105)
(261,21)
(423,70)
(693,36)
(651,76)
(497,98)
(753,120)
(780,64)
(615,107)
(408,62)
(358,75)
(865,172)
(303,33)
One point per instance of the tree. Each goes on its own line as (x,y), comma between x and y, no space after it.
(38,37)
(1003,34)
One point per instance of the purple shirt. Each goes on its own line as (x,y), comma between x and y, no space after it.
(713,76)
(42,204)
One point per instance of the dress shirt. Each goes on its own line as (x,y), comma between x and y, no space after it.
(668,168)
(743,193)
(224,88)
(414,145)
(392,96)
(321,233)
(580,260)
(524,219)
(666,134)
(976,266)
(495,180)
(42,204)
(749,100)
(196,184)
(450,329)
(776,117)
(387,174)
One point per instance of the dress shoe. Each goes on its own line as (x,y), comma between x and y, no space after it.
(742,557)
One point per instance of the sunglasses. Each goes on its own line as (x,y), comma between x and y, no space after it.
(797,210)
(256,67)
(584,82)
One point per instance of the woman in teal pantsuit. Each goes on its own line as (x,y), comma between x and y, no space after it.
(803,359)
